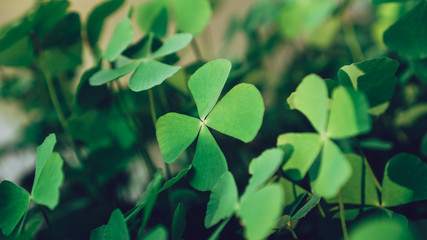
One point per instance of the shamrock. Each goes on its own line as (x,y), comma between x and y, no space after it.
(238,114)
(345,116)
(148,72)
(260,205)
(15,200)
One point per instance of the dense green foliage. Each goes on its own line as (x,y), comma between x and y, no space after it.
(287,141)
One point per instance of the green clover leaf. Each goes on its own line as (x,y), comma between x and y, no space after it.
(238,114)
(346,116)
(260,205)
(375,78)
(147,71)
(47,180)
(152,16)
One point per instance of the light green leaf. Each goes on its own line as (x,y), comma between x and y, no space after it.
(349,114)
(175,179)
(13,205)
(259,211)
(152,16)
(121,38)
(239,113)
(195,22)
(178,222)
(175,132)
(209,162)
(149,74)
(46,189)
(304,147)
(334,171)
(108,75)
(207,83)
(263,168)
(381,228)
(360,181)
(375,78)
(43,153)
(303,16)
(116,228)
(158,233)
(223,200)
(96,19)
(311,98)
(404,180)
(408,35)
(173,44)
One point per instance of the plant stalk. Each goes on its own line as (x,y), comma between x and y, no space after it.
(49,82)
(342,215)
(352,42)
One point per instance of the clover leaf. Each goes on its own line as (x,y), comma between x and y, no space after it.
(45,191)
(408,35)
(13,205)
(96,18)
(152,16)
(346,116)
(238,114)
(148,72)
(404,180)
(116,227)
(375,77)
(260,205)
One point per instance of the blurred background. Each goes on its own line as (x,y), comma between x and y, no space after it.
(271,43)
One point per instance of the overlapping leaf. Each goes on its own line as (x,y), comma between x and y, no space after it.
(305,148)
(97,17)
(260,205)
(49,175)
(223,200)
(152,17)
(13,205)
(404,180)
(408,35)
(116,227)
(346,117)
(376,78)
(122,36)
(360,188)
(259,211)
(45,191)
(148,73)
(239,114)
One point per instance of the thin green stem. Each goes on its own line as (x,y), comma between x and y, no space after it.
(374,178)
(368,166)
(352,42)
(294,235)
(152,107)
(49,82)
(342,215)
(132,124)
(321,211)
